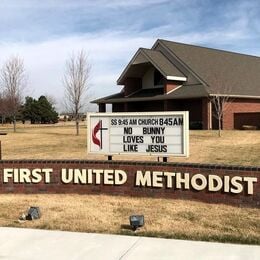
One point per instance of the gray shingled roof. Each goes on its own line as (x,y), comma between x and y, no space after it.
(165,66)
(156,58)
(184,92)
(220,72)
(239,73)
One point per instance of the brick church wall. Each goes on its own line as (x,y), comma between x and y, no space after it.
(240,106)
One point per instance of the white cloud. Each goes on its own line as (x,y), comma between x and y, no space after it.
(56,30)
(45,61)
(108,53)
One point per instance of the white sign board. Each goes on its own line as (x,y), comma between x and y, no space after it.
(149,133)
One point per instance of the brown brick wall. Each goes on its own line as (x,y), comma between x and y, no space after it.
(199,110)
(206,114)
(129,188)
(170,85)
(239,106)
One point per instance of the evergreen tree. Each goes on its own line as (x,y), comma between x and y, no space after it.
(39,111)
(31,110)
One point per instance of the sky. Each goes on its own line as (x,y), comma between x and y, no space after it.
(45,33)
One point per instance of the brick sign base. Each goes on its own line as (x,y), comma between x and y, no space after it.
(240,185)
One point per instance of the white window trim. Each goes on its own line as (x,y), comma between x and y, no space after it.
(176,78)
(234,96)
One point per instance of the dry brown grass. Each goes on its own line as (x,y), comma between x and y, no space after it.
(44,142)
(109,214)
(60,142)
(234,147)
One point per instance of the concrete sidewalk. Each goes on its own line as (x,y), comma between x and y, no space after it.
(26,244)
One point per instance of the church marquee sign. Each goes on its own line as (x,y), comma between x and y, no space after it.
(149,133)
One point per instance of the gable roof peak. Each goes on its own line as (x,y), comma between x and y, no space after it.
(156,59)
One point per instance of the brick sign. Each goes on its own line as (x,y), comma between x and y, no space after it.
(147,178)
(209,183)
(161,134)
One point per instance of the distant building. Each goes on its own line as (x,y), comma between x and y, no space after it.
(176,76)
(71,117)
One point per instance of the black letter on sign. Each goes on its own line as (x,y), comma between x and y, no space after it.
(128,130)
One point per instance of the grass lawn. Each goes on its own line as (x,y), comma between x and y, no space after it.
(109,214)
(60,142)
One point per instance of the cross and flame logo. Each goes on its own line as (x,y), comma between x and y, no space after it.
(98,128)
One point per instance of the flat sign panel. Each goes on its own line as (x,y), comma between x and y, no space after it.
(149,133)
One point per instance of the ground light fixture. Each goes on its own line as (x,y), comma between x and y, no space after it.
(136,221)
(33,213)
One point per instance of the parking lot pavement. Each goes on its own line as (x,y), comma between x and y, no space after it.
(26,244)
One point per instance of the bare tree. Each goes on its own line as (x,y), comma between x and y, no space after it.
(76,83)
(3,107)
(13,80)
(220,99)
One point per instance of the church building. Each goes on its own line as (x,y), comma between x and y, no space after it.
(174,76)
